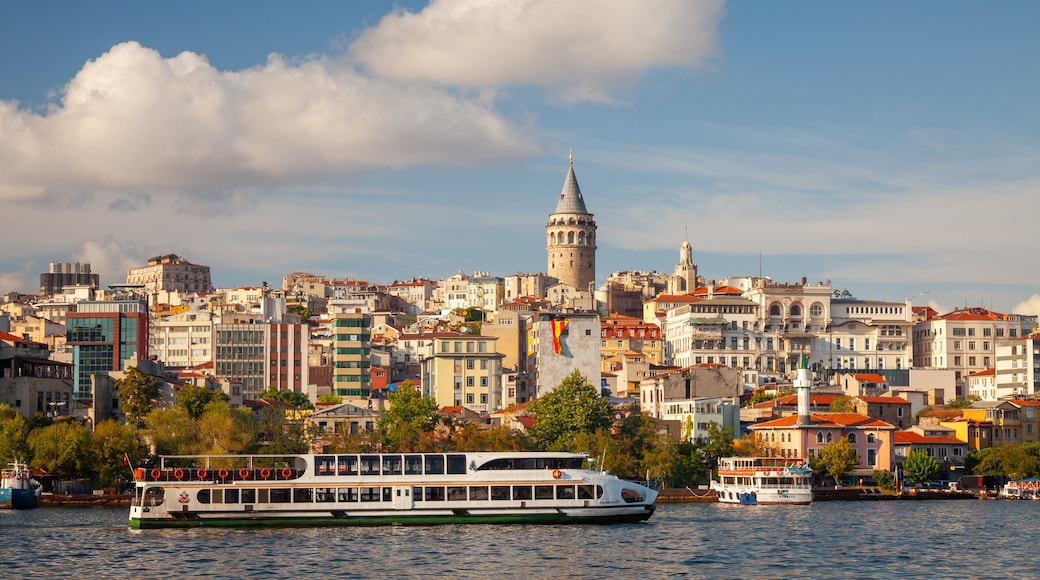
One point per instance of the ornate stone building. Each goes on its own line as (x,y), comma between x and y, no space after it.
(571,238)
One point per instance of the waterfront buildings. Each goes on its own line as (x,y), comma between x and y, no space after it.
(466,371)
(63,274)
(103,335)
(170,273)
(351,350)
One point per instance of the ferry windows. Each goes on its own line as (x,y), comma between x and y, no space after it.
(587,492)
(413,464)
(417,493)
(326,465)
(202,496)
(434,494)
(347,495)
(369,494)
(478,492)
(280,495)
(544,492)
(230,496)
(369,465)
(262,496)
(348,465)
(456,464)
(249,495)
(564,492)
(388,494)
(456,493)
(324,495)
(391,465)
(499,492)
(434,464)
(303,495)
(522,492)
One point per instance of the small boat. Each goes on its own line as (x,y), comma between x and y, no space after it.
(763,480)
(382,489)
(18,490)
(1028,488)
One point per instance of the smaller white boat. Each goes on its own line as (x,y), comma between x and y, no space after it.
(763,480)
(18,490)
(1028,488)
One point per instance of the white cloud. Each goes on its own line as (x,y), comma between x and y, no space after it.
(132,120)
(22,280)
(1029,306)
(111,259)
(581,49)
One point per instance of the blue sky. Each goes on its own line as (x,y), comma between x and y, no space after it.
(890,146)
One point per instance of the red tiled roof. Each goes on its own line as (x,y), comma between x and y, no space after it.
(869,378)
(525,420)
(1023,403)
(885,400)
(828,420)
(792,400)
(990,372)
(910,437)
(973,314)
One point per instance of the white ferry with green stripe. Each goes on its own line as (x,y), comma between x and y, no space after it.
(382,489)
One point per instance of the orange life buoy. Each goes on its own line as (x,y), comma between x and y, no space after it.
(556,474)
(223,473)
(201,473)
(265,473)
(156,473)
(286,473)
(243,473)
(178,473)
(138,473)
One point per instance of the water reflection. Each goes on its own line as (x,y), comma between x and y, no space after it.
(825,540)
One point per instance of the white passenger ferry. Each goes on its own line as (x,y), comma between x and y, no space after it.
(378,489)
(763,480)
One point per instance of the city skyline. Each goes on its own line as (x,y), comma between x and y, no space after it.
(887,147)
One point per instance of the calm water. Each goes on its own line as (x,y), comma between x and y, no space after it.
(911,539)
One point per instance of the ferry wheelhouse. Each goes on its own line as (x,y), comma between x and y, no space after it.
(763,480)
(379,489)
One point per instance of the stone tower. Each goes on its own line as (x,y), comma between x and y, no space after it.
(571,238)
(684,281)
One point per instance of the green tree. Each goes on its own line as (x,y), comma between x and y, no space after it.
(409,417)
(138,394)
(843,404)
(718,443)
(14,437)
(110,442)
(172,431)
(223,429)
(572,408)
(330,398)
(1014,461)
(277,433)
(62,448)
(193,399)
(301,310)
(920,467)
(298,400)
(835,459)
(884,479)
(471,437)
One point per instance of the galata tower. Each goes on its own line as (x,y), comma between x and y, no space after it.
(571,238)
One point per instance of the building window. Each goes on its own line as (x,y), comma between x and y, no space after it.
(852,438)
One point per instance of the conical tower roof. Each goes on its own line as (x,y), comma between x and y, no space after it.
(570,197)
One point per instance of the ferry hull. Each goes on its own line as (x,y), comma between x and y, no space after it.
(591,516)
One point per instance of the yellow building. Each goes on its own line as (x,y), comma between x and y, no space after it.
(624,334)
(464,371)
